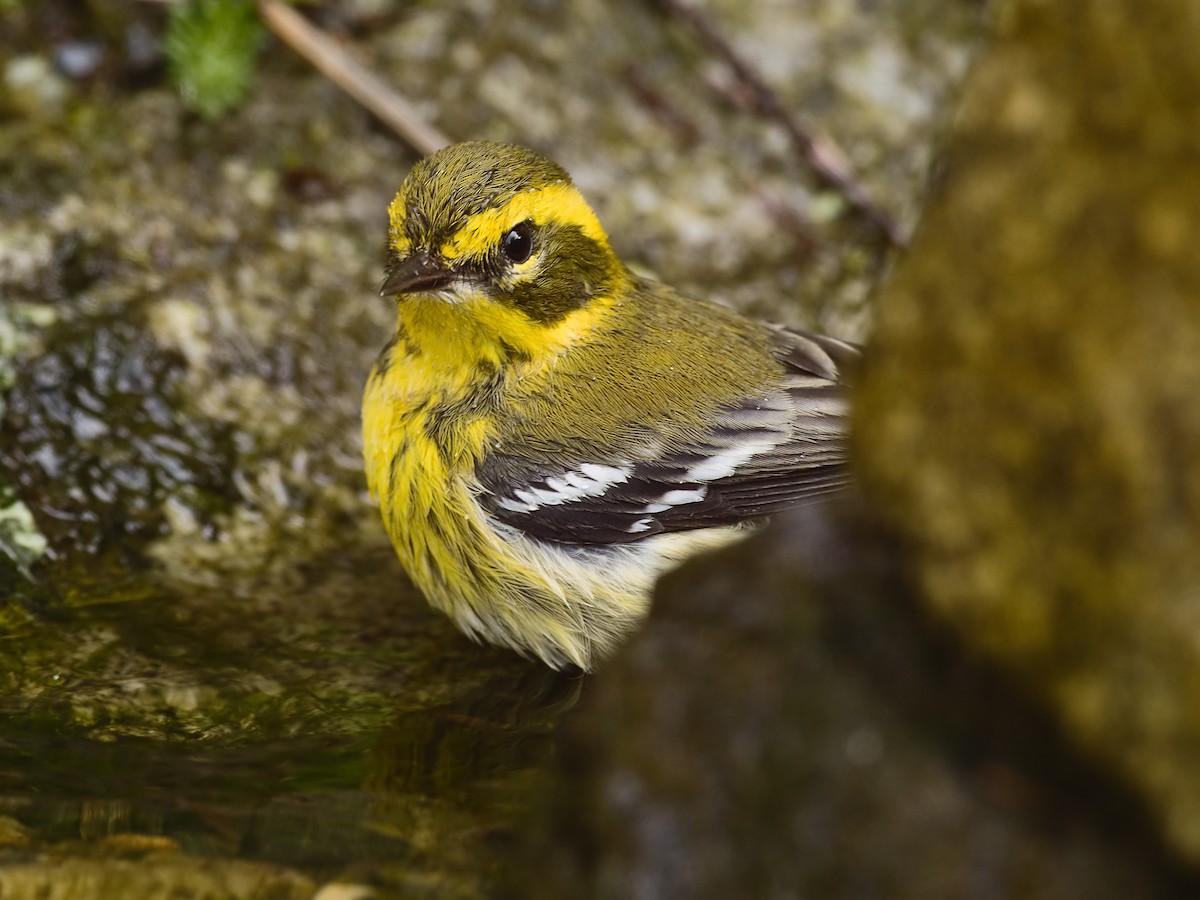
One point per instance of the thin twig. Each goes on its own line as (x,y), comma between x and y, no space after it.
(659,105)
(821,153)
(320,50)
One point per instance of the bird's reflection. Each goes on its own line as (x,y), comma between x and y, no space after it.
(493,727)
(454,779)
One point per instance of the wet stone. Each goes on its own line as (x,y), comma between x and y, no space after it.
(94,412)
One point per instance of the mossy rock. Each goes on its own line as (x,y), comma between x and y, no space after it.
(1029,420)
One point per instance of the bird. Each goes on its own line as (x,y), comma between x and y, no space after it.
(547,432)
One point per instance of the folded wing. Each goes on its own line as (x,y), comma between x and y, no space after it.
(760,455)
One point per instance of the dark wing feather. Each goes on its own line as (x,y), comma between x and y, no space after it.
(760,456)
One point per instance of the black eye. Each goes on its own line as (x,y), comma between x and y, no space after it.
(517,244)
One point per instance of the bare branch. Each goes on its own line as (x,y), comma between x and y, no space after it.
(821,153)
(332,61)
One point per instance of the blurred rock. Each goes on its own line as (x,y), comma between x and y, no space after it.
(1029,423)
(33,87)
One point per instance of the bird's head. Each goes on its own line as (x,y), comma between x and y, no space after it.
(501,224)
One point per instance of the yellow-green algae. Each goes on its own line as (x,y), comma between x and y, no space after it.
(1029,420)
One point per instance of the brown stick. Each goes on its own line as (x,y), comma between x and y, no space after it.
(332,61)
(820,152)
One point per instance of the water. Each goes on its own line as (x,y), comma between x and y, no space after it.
(319,739)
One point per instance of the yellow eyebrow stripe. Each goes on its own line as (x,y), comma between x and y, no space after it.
(397,212)
(560,203)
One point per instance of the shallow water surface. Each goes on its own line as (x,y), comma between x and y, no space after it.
(168,742)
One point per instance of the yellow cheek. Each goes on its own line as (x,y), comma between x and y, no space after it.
(539,343)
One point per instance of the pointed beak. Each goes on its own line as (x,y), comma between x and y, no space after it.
(419,271)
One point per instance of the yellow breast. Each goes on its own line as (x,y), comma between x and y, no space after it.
(420,446)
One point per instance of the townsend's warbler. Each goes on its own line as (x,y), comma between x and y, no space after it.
(548,432)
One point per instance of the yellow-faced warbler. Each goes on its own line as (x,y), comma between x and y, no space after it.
(548,432)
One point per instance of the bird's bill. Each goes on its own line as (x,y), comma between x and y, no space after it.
(418,272)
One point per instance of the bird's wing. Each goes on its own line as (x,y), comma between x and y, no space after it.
(759,456)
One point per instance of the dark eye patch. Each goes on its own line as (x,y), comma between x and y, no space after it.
(517,243)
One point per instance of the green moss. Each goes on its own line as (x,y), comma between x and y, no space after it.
(211,48)
(20,539)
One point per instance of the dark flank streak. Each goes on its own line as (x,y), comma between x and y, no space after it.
(437,425)
(394,467)
(513,354)
(483,396)
(437,534)
(383,361)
